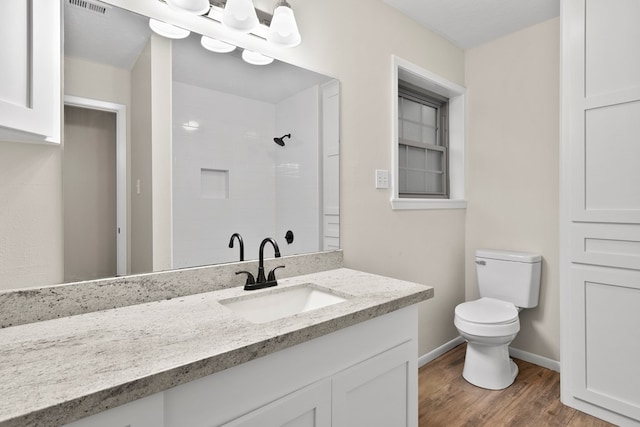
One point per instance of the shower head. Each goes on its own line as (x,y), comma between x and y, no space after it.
(280,141)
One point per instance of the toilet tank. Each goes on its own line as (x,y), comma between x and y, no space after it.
(509,276)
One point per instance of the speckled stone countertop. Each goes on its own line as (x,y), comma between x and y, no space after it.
(27,305)
(60,370)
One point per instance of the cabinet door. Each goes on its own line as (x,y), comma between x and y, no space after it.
(379,392)
(606,340)
(308,407)
(146,412)
(30,52)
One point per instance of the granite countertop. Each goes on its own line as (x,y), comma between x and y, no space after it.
(57,371)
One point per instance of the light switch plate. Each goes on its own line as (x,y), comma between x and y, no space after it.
(382,178)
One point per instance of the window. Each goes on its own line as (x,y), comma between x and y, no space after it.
(423,143)
(427,139)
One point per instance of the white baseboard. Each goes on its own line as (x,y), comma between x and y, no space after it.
(554,365)
(545,362)
(434,354)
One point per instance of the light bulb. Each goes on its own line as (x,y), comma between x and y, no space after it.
(283,30)
(240,15)
(256,58)
(215,45)
(168,30)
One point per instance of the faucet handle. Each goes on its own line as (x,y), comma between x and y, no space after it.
(250,278)
(272,274)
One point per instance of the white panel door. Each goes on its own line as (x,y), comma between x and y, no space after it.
(378,392)
(30,52)
(600,226)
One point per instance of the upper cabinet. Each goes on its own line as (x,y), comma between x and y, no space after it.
(30,75)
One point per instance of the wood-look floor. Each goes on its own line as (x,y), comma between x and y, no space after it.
(446,399)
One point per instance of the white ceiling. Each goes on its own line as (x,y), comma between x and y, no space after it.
(115,38)
(470,23)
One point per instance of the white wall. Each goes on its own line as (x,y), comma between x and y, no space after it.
(297,168)
(161,151)
(31,245)
(150,183)
(140,147)
(513,159)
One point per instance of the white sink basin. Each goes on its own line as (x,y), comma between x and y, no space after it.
(278,303)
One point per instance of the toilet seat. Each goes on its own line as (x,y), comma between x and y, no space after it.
(487,311)
(487,317)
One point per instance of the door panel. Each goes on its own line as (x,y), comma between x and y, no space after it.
(608,337)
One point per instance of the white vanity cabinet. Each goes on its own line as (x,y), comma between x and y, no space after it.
(30,75)
(365,374)
(362,375)
(374,392)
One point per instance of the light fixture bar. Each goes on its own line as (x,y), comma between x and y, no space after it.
(278,29)
(264,18)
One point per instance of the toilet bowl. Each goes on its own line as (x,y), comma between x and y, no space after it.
(488,325)
(508,282)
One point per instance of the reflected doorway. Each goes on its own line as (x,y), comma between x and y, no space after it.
(94,199)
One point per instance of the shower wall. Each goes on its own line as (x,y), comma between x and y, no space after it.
(229,176)
(297,177)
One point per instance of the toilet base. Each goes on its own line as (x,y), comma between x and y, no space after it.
(489,366)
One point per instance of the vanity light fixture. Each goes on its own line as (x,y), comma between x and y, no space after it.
(283,30)
(240,15)
(168,30)
(197,7)
(215,45)
(279,29)
(255,58)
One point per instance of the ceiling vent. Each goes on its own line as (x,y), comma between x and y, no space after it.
(88,6)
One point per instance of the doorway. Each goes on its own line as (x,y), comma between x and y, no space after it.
(94,190)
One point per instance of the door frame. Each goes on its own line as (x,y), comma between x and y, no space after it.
(120,111)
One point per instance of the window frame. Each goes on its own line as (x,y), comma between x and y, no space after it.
(441,105)
(407,72)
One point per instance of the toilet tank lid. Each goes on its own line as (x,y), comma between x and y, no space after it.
(508,255)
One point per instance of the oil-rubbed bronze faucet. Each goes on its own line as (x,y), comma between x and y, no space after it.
(262,281)
(239,237)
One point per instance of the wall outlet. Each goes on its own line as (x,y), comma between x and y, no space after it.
(382,178)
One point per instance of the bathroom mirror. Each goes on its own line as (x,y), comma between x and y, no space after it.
(201,145)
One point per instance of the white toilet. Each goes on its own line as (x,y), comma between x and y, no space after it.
(508,281)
